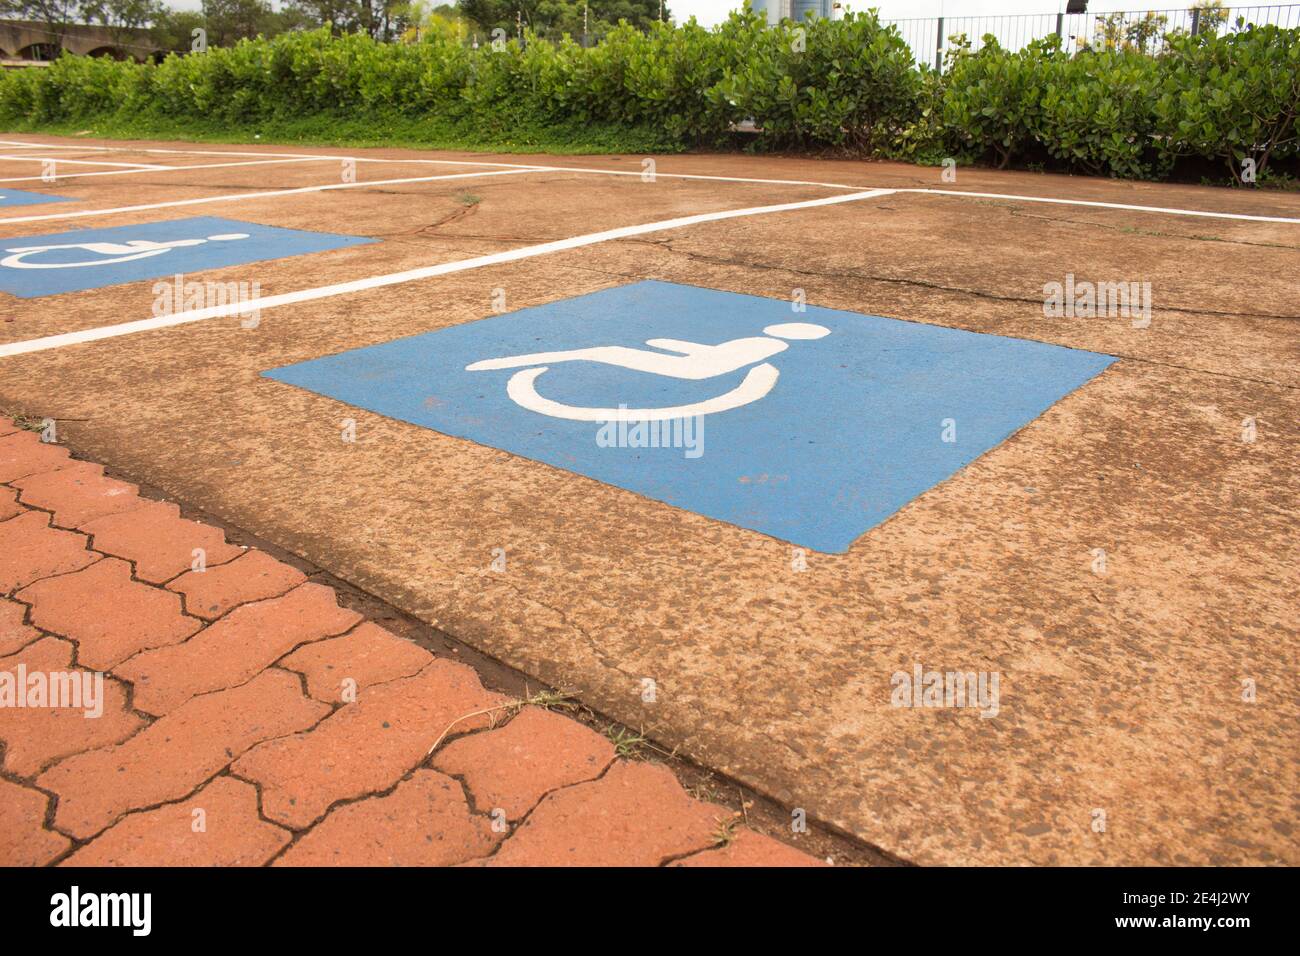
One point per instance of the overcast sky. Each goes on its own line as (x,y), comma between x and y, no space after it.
(710,12)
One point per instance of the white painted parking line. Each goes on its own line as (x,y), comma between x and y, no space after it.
(411,275)
(265,194)
(171,169)
(13,144)
(80,162)
(310,157)
(1167,210)
(637,173)
(155,149)
(860,186)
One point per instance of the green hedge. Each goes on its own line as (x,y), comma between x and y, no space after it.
(1130,114)
(848,85)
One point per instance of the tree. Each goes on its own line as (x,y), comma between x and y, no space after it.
(425,20)
(174,29)
(228,21)
(551,18)
(381,19)
(55,15)
(1211,14)
(1116,32)
(122,18)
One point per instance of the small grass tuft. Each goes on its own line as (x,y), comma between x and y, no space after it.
(550,700)
(29,423)
(627,742)
(726,831)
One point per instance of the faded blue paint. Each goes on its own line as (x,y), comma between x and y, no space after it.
(851,432)
(21,197)
(261,243)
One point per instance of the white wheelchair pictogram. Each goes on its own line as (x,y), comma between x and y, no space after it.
(691,361)
(107,253)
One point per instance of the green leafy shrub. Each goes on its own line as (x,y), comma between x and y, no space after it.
(1096,113)
(992,97)
(1233,97)
(851,84)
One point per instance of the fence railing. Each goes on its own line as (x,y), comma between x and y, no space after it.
(1143,29)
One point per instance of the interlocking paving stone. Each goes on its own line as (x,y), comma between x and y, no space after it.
(77,494)
(748,848)
(218,826)
(514,766)
(159,541)
(35,737)
(9,506)
(637,814)
(108,615)
(369,655)
(255,576)
(31,550)
(23,453)
(424,822)
(172,756)
(23,841)
(235,648)
(14,634)
(367,746)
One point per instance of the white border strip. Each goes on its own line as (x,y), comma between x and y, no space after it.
(59,177)
(233,197)
(1105,205)
(309,157)
(410,275)
(81,162)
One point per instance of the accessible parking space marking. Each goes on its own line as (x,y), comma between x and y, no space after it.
(169,169)
(1165,210)
(410,275)
(32,266)
(812,432)
(264,194)
(21,197)
(81,162)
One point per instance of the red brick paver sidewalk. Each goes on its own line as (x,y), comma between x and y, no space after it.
(245,718)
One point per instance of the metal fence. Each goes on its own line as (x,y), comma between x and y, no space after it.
(1144,29)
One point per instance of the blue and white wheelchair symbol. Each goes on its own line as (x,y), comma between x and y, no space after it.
(21,197)
(33,266)
(815,430)
(102,253)
(689,361)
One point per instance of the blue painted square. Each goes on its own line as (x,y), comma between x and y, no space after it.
(21,197)
(33,266)
(848,433)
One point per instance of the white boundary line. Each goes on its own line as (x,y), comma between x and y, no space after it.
(1105,205)
(80,162)
(15,144)
(410,275)
(154,149)
(231,197)
(345,288)
(309,157)
(171,169)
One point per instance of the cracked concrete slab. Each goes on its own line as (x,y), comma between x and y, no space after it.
(1121,690)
